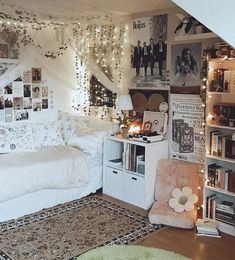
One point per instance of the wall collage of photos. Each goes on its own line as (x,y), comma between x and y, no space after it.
(25,95)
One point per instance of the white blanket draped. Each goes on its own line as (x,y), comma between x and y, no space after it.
(55,167)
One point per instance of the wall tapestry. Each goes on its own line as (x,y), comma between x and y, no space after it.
(185,68)
(187,128)
(149,50)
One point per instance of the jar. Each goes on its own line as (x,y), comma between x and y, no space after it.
(232,122)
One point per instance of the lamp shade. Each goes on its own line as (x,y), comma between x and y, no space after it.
(124,102)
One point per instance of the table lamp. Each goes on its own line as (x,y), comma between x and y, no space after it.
(124,104)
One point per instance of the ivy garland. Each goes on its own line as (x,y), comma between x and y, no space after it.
(16,25)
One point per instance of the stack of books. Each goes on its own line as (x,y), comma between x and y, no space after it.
(208,228)
(225,212)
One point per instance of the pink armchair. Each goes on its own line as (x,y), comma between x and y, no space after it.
(173,174)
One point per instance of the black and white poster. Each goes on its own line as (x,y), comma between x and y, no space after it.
(187,139)
(185,68)
(149,51)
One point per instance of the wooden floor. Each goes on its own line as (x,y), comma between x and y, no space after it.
(186,242)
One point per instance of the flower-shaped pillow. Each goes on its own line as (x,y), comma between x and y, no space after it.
(182,199)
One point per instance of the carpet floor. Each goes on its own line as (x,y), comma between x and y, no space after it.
(68,230)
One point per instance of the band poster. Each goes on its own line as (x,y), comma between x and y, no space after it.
(149,51)
(187,139)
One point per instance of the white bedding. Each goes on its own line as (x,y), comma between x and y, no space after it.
(94,161)
(55,167)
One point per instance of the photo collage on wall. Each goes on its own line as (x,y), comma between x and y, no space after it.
(25,95)
(149,51)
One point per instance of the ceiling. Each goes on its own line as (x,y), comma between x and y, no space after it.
(76,8)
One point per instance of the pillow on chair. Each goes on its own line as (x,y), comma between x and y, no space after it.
(182,199)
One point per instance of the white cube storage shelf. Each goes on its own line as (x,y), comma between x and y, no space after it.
(121,178)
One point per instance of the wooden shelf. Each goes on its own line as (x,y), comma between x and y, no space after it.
(199,36)
(220,190)
(219,93)
(221,127)
(220,159)
(218,60)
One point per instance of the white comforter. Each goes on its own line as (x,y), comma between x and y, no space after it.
(55,167)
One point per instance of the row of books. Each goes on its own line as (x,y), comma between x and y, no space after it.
(207,227)
(219,177)
(134,158)
(222,211)
(222,145)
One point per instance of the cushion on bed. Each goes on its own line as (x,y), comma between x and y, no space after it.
(47,134)
(89,140)
(16,138)
(69,123)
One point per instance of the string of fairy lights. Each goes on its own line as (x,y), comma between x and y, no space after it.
(103,45)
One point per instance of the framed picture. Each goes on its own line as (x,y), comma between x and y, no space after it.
(185,68)
(36,75)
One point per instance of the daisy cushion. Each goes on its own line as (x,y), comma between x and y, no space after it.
(182,199)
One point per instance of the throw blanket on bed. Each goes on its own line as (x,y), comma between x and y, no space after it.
(55,167)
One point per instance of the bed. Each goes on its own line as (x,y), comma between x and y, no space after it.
(42,179)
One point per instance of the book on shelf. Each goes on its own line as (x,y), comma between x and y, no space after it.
(225,220)
(140,164)
(225,212)
(134,158)
(211,206)
(219,177)
(231,181)
(229,81)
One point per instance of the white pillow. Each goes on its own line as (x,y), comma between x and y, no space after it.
(47,134)
(16,138)
(89,140)
(182,199)
(70,123)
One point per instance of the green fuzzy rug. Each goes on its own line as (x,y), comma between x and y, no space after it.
(121,252)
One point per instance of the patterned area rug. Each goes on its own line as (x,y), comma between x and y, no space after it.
(68,230)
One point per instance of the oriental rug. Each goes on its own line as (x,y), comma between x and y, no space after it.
(68,230)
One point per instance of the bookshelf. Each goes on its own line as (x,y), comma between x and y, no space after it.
(196,36)
(219,188)
(129,169)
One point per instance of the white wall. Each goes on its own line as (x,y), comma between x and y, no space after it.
(58,74)
(216,15)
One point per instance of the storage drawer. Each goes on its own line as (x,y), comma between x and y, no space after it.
(133,189)
(113,182)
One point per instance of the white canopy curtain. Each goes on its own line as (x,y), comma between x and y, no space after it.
(113,67)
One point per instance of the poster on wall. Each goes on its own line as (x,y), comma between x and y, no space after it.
(185,68)
(187,139)
(148,51)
